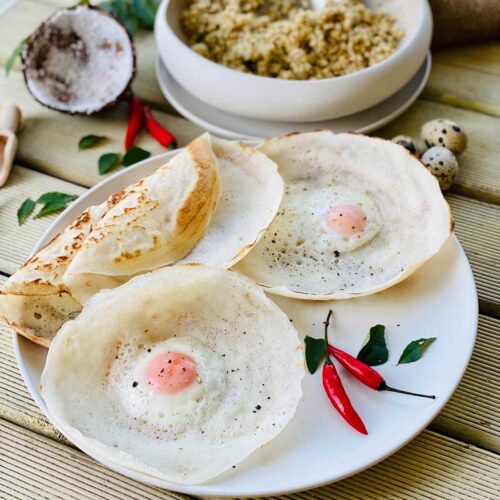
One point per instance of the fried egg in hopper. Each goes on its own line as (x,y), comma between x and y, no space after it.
(180,387)
(359,214)
(210,203)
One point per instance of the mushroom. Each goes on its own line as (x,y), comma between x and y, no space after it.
(81,60)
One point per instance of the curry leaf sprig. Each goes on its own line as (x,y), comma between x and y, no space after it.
(51,202)
(373,352)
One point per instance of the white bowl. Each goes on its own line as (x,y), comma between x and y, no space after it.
(275,99)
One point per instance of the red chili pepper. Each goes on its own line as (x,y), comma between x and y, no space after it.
(360,370)
(160,133)
(366,374)
(339,399)
(336,392)
(135,117)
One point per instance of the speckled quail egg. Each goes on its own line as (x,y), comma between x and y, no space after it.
(407,142)
(445,133)
(442,164)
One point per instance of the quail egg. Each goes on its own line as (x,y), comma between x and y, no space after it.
(442,164)
(407,142)
(445,133)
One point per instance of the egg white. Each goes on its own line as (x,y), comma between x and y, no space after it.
(191,407)
(248,357)
(304,213)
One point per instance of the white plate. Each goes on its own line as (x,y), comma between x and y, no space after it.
(317,447)
(234,127)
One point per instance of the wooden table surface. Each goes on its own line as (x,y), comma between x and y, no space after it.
(456,457)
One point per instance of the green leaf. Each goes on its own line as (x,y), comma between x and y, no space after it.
(108,7)
(14,55)
(51,207)
(25,210)
(315,351)
(53,202)
(108,162)
(415,350)
(133,155)
(56,196)
(115,7)
(375,352)
(130,23)
(121,9)
(145,12)
(90,141)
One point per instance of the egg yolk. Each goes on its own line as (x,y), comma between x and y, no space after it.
(346,219)
(171,372)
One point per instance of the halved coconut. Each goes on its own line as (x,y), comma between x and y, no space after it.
(80,60)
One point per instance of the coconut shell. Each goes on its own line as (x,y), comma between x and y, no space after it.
(49,38)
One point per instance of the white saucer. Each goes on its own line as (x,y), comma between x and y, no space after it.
(233,127)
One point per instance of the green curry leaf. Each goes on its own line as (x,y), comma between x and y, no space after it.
(90,141)
(374,352)
(133,13)
(14,55)
(107,162)
(51,207)
(415,350)
(133,155)
(55,196)
(25,210)
(53,202)
(145,11)
(315,351)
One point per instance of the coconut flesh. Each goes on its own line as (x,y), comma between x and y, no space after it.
(80,60)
